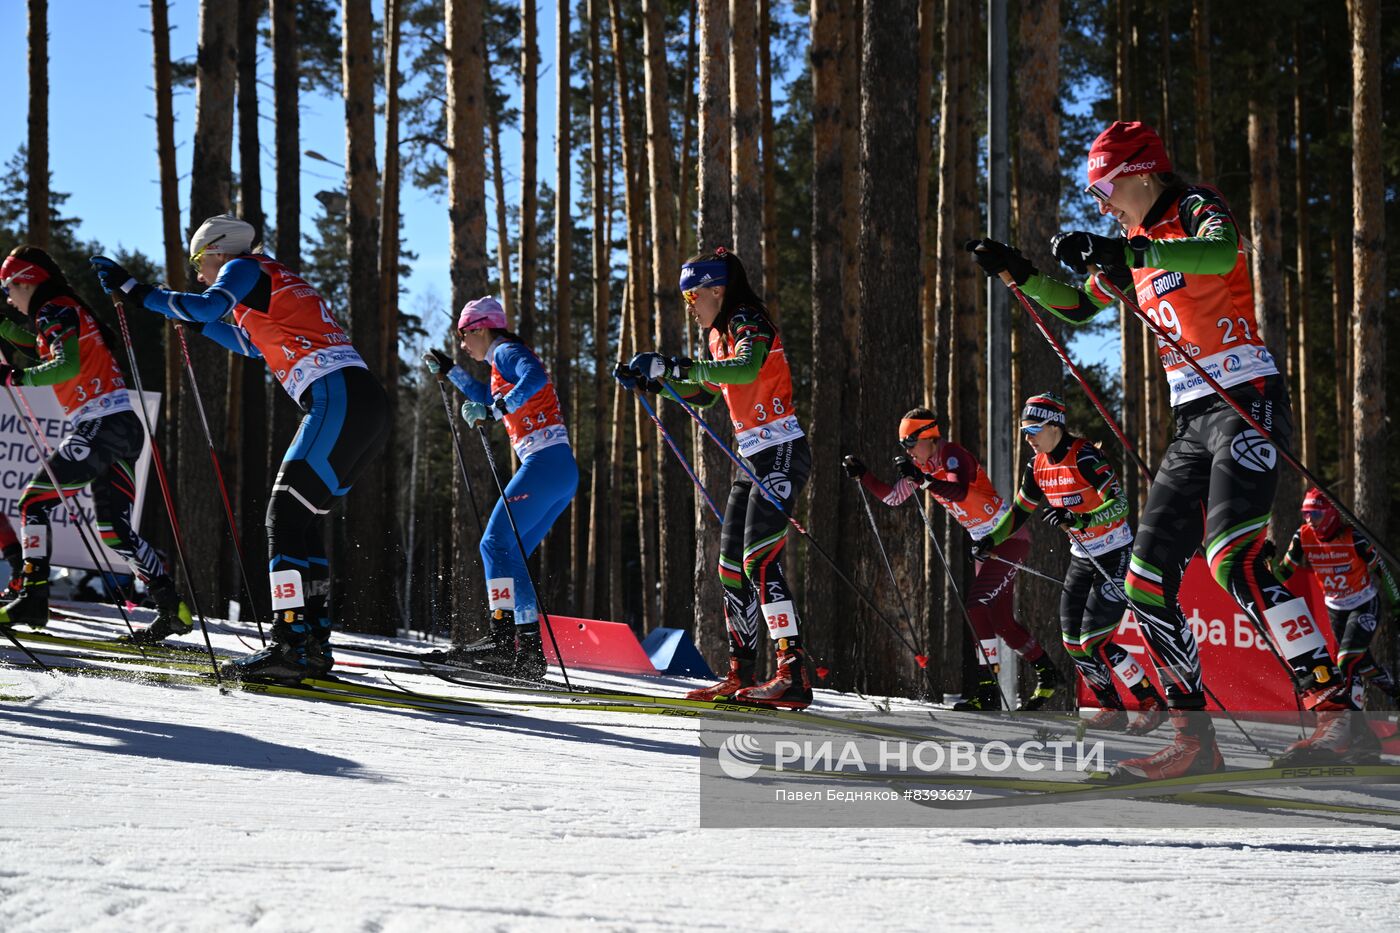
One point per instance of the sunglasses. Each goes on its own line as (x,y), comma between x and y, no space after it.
(1031,430)
(1103,188)
(690,296)
(198,255)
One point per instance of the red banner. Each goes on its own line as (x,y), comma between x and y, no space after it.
(1236,664)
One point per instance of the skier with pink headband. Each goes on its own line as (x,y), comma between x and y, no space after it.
(521,395)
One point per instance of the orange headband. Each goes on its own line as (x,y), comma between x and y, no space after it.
(918,428)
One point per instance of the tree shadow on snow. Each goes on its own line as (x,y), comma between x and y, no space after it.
(171,741)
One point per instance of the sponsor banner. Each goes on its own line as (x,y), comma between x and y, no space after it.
(1237,665)
(19,461)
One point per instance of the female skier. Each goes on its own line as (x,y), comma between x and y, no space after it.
(74,353)
(522,396)
(747,367)
(1182,261)
(956,481)
(1076,481)
(279,318)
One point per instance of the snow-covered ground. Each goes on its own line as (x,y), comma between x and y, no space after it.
(137,807)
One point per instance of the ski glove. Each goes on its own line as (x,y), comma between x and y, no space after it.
(625,376)
(853,467)
(655,366)
(909,470)
(438,363)
(982,548)
(1061,518)
(995,258)
(10,375)
(116,279)
(1079,250)
(475,413)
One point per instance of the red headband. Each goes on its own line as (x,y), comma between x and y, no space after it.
(22,271)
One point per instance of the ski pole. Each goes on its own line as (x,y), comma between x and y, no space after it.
(957,594)
(1025,569)
(213,459)
(457,444)
(670,442)
(768,494)
(922,659)
(524,555)
(1249,419)
(1205,688)
(75,514)
(1064,356)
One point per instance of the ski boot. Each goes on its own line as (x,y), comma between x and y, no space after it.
(31,607)
(494,654)
(172,615)
(1193,751)
(1365,747)
(985,697)
(1047,681)
(529,653)
(1111,716)
(1152,709)
(790,688)
(740,676)
(283,661)
(319,660)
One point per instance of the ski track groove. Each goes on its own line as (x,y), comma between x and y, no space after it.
(134,807)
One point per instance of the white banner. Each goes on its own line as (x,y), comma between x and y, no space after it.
(19,461)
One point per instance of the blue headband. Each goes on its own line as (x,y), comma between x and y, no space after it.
(702,274)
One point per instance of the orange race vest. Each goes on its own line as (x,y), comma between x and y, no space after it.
(762,410)
(99,388)
(982,507)
(293,329)
(1345,578)
(1210,316)
(535,425)
(1066,487)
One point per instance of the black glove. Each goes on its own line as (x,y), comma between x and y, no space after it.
(625,376)
(853,467)
(909,469)
(995,258)
(438,363)
(1060,518)
(1080,249)
(982,549)
(116,280)
(655,366)
(9,375)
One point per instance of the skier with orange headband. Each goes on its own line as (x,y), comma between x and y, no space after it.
(952,475)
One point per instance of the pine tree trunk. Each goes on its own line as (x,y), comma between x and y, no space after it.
(529,146)
(1130,331)
(889,280)
(174,252)
(829,352)
(851,25)
(498,184)
(746,176)
(364,596)
(716,228)
(1368,322)
(1336,94)
(1302,401)
(210,194)
(562,573)
(635,170)
(1205,118)
(37,189)
(684,201)
(389,266)
(1037,213)
(247,379)
(466,212)
(675,519)
(769,173)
